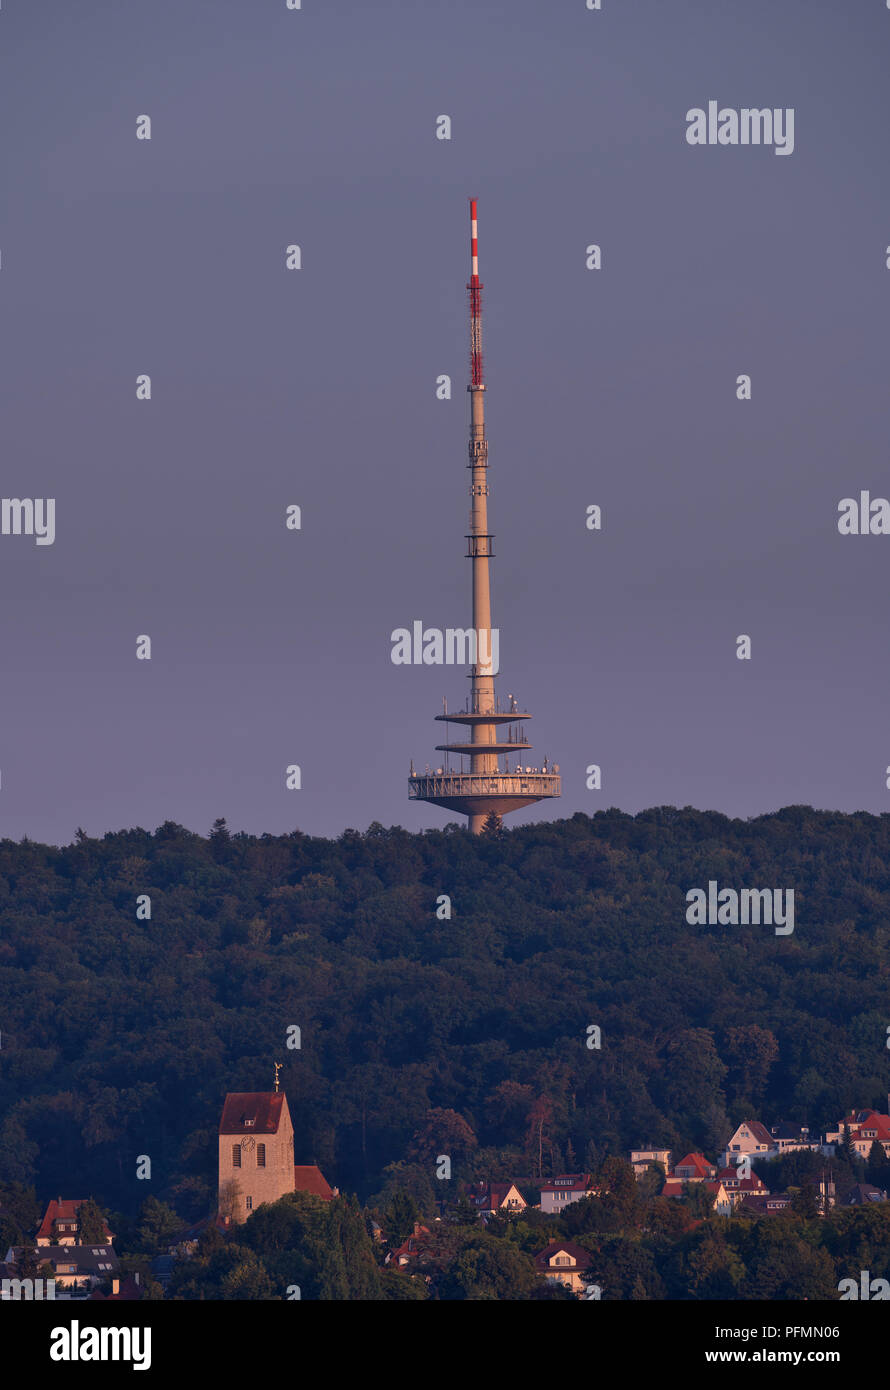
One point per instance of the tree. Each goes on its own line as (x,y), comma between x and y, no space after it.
(877,1165)
(158,1224)
(26,1262)
(398,1287)
(486,1268)
(91,1223)
(709,1267)
(539,1117)
(19,1212)
(229,1199)
(443,1132)
(848,1153)
(551,1291)
(412,1179)
(805,1201)
(750,1051)
(322,1247)
(401,1214)
(781,1264)
(233,1272)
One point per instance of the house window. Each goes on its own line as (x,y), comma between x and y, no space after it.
(261,1155)
(236,1155)
(249,1203)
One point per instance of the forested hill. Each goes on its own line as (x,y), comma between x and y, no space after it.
(120,1037)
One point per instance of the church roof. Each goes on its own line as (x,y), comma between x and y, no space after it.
(309,1178)
(252,1112)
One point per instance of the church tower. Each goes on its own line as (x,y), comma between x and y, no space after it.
(256,1152)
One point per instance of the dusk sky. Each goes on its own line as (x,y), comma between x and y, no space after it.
(316,387)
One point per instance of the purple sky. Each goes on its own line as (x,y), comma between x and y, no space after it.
(614,387)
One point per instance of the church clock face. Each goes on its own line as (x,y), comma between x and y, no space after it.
(248,1142)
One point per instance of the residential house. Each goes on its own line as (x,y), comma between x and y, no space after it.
(764,1204)
(737,1187)
(863,1194)
(642,1159)
(866,1127)
(60,1224)
(409,1252)
(722,1201)
(694,1168)
(750,1138)
(123,1290)
(787,1138)
(564,1262)
(559,1192)
(74,1267)
(491,1197)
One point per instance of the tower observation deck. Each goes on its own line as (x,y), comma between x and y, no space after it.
(497,780)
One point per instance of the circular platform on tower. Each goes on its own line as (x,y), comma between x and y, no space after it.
(477,793)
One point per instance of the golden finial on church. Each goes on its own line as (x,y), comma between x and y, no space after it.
(277,1066)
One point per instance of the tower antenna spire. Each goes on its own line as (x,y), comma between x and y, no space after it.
(484,790)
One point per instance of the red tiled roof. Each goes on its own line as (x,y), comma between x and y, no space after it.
(414,1245)
(765,1204)
(697,1162)
(875,1120)
(567,1182)
(673,1187)
(581,1256)
(262,1107)
(490,1196)
(309,1178)
(730,1177)
(760,1132)
(867,1119)
(63,1209)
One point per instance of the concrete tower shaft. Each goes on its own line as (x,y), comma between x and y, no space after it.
(486,788)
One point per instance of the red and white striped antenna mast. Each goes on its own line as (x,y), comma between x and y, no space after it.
(475,291)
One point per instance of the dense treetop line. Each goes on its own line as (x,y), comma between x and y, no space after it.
(120,1037)
(630,1243)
